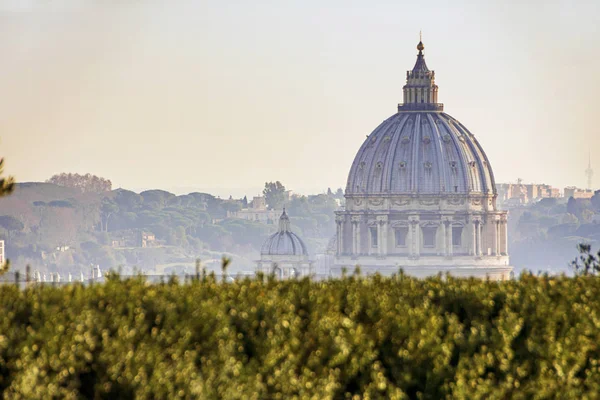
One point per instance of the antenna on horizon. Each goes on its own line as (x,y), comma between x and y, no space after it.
(589,172)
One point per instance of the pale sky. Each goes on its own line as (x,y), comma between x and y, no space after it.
(230,94)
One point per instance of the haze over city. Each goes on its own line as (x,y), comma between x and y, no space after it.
(299,199)
(224,96)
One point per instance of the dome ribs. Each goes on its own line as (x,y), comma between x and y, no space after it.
(395,173)
(442,161)
(414,155)
(420,152)
(462,161)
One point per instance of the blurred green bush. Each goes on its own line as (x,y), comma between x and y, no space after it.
(357,337)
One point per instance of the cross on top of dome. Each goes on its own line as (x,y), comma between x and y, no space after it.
(420,65)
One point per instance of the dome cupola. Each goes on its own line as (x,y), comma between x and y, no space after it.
(420,91)
(284,242)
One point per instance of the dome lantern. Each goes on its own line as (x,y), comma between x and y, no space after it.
(420,91)
(284,222)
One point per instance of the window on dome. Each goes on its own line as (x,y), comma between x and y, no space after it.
(401,234)
(456,235)
(373,237)
(429,236)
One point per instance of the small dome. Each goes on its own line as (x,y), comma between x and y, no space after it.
(420,46)
(284,242)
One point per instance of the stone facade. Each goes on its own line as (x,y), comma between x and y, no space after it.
(465,236)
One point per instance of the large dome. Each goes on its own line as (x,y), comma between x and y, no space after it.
(420,152)
(421,195)
(284,242)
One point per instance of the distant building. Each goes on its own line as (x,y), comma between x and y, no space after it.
(520,193)
(147,239)
(257,211)
(284,253)
(134,238)
(2,257)
(118,243)
(576,193)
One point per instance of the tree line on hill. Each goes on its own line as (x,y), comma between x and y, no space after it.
(66,228)
(546,234)
(85,183)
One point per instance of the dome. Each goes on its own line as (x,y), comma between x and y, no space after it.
(284,242)
(420,149)
(420,152)
(421,195)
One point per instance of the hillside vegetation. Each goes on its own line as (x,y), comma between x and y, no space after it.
(396,338)
(64,229)
(544,235)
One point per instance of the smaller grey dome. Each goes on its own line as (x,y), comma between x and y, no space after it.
(284,242)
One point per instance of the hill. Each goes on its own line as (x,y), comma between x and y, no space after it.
(65,230)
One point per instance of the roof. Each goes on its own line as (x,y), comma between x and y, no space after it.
(420,152)
(284,241)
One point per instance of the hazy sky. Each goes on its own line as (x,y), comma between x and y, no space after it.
(226,94)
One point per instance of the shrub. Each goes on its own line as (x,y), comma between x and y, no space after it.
(375,337)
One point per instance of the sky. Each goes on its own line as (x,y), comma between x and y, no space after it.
(225,95)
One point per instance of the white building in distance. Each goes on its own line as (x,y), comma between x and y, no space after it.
(285,254)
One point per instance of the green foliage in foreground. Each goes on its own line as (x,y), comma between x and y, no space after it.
(536,337)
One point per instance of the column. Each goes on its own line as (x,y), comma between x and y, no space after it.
(444,249)
(379,241)
(337,235)
(473,249)
(417,238)
(385,237)
(410,239)
(450,240)
(496,237)
(354,240)
(505,237)
(341,238)
(414,236)
(356,235)
(382,235)
(340,234)
(479,249)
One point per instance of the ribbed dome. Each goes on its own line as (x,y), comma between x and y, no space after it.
(420,152)
(284,242)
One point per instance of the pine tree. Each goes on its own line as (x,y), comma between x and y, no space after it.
(7,185)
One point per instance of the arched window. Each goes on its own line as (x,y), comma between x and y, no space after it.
(429,236)
(374,238)
(401,234)
(457,235)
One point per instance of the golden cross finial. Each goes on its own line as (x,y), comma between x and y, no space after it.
(420,36)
